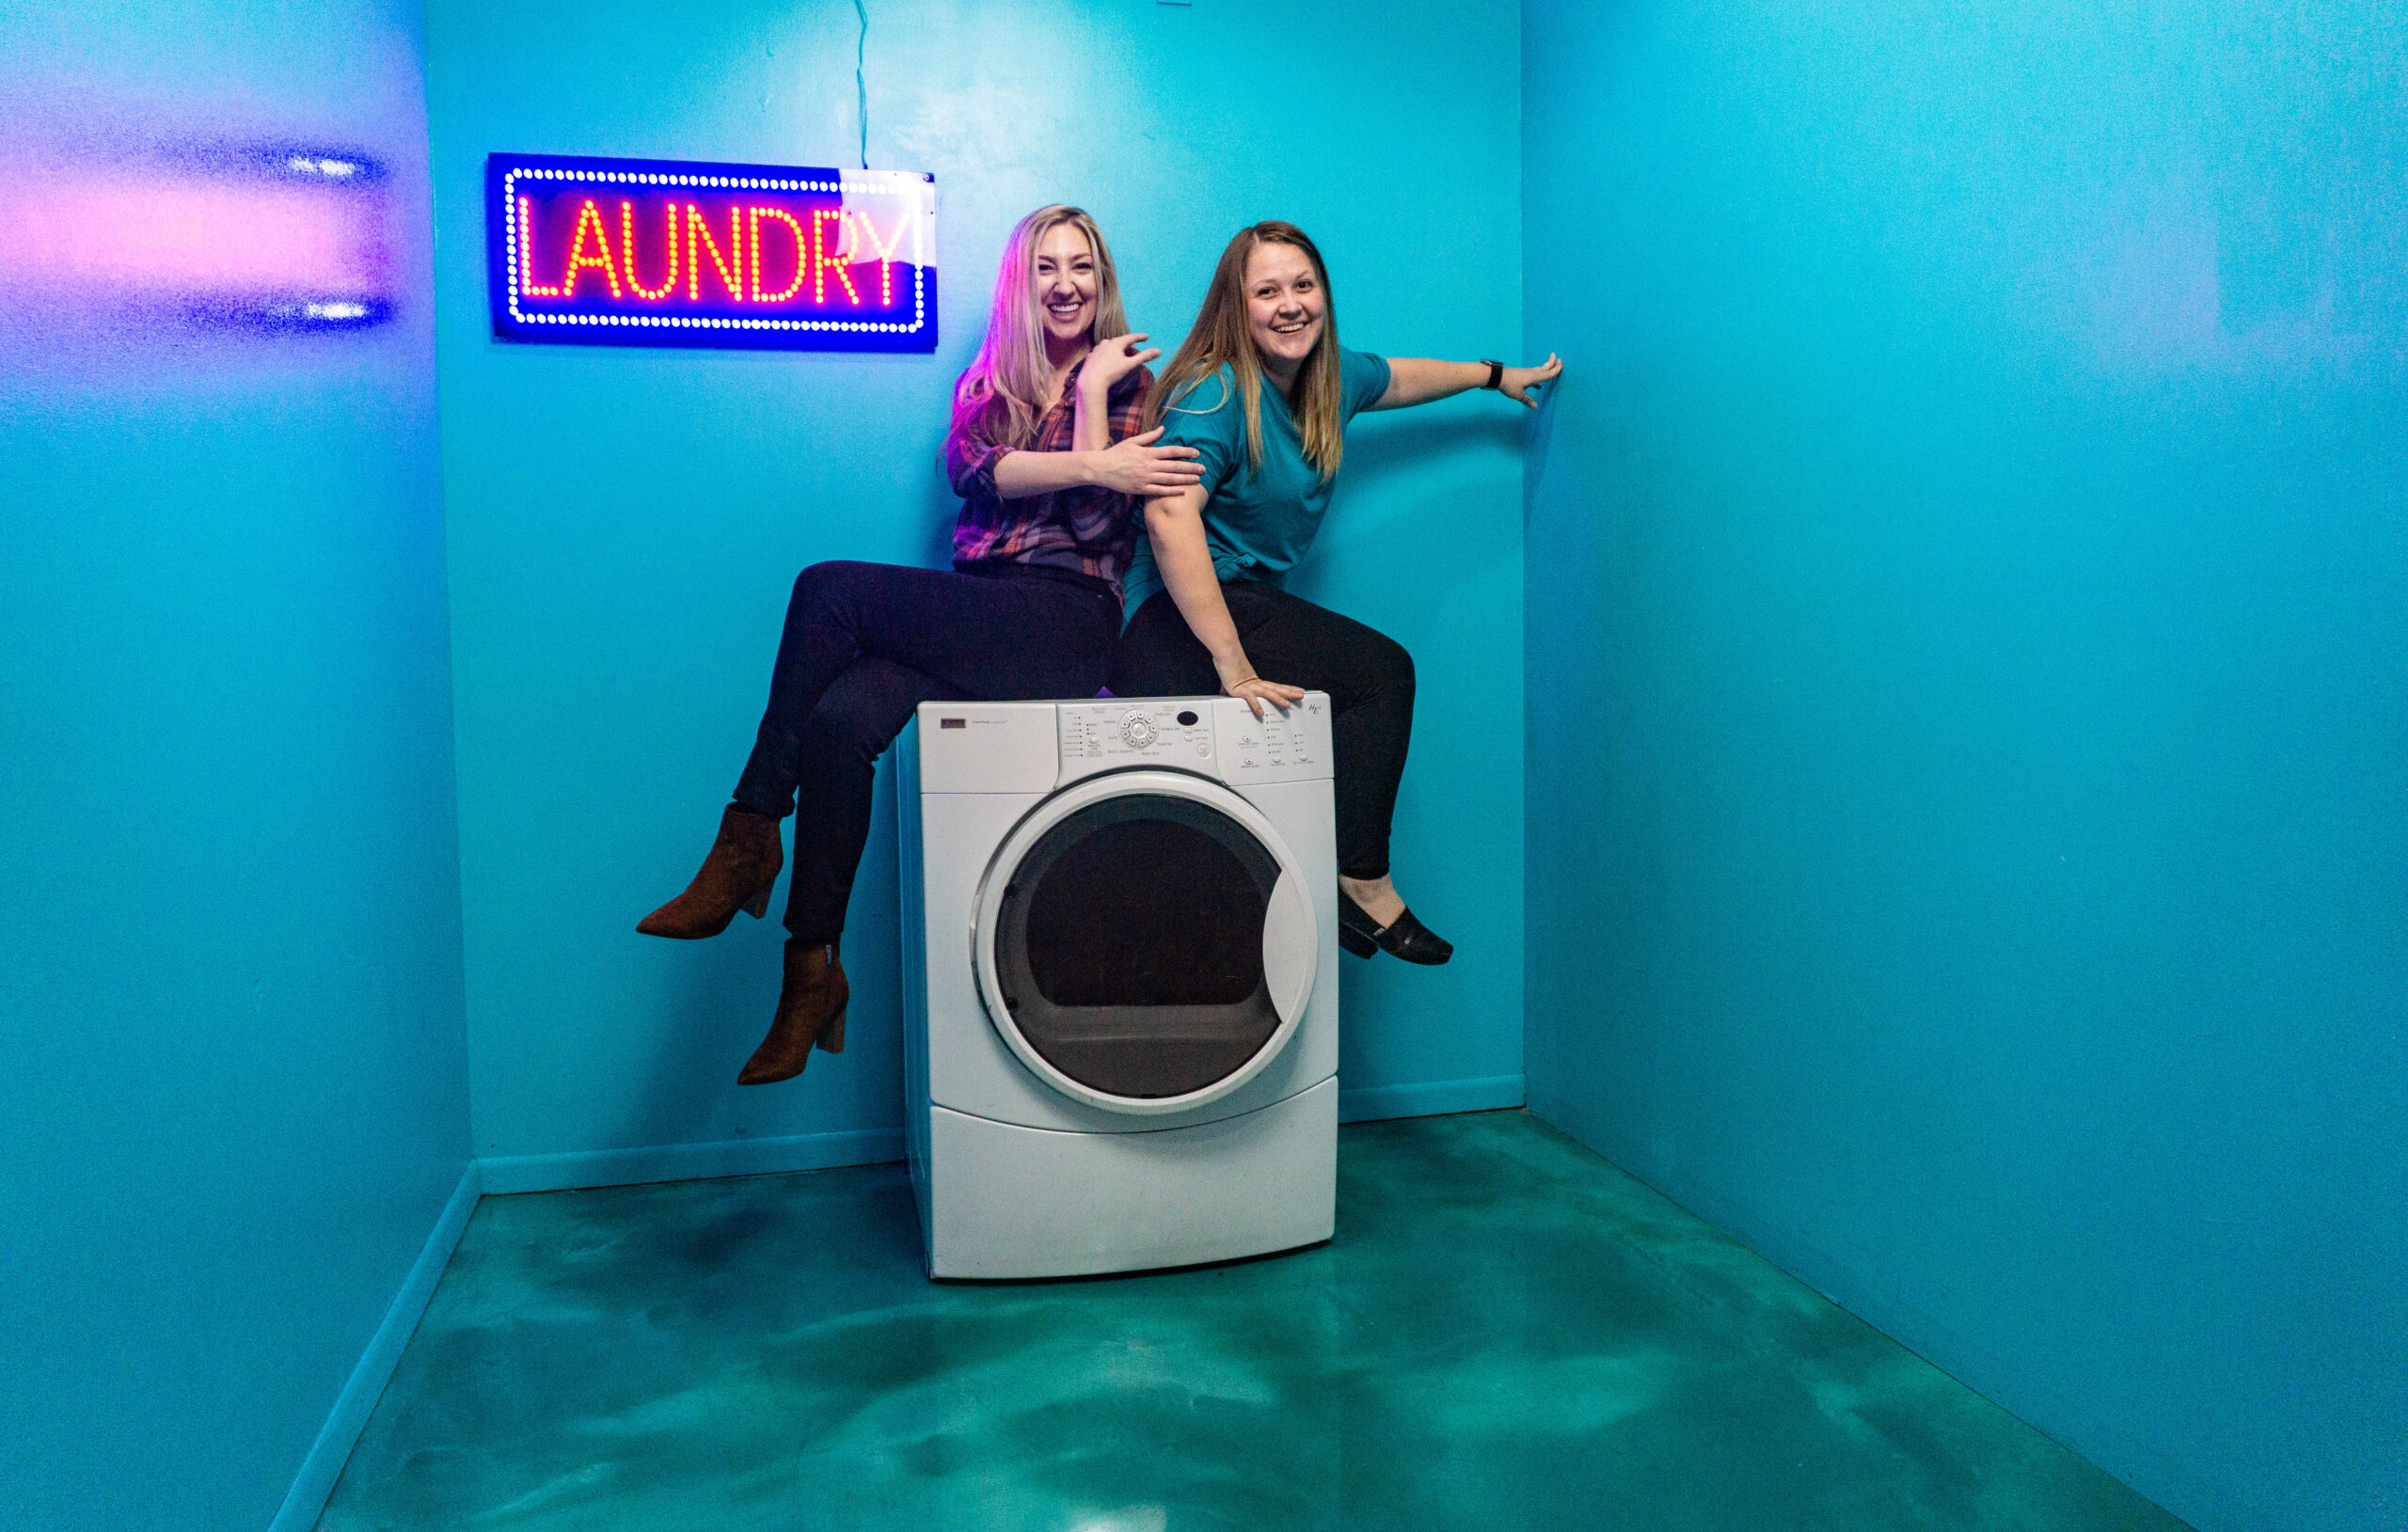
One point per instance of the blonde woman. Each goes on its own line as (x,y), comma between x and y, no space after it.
(1043,452)
(1262,390)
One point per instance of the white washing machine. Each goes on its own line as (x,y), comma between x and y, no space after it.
(1121,983)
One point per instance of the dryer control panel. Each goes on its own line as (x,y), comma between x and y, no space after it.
(1105,736)
(1291,745)
(1215,737)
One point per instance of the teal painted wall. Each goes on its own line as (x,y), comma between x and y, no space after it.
(1968,637)
(235,1099)
(624,523)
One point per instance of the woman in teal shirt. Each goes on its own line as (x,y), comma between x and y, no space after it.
(1262,391)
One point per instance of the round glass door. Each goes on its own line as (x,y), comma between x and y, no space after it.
(1130,947)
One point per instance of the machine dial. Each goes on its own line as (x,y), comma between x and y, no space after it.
(1138,730)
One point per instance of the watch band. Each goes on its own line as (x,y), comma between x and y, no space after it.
(1496,373)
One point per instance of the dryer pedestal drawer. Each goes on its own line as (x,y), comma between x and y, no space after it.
(1029,1202)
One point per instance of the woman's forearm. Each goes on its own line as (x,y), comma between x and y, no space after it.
(1175,525)
(1418,380)
(1018,475)
(1091,420)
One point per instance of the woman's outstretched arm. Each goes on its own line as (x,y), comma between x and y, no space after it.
(1176,525)
(1418,380)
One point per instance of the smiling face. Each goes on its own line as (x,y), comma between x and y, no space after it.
(1064,282)
(1285,306)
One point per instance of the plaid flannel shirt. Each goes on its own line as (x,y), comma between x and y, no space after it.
(1090,530)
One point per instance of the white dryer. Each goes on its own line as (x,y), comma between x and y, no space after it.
(1121,983)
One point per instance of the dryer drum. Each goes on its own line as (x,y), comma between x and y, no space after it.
(1130,944)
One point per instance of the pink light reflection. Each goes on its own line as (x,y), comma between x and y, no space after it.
(149,235)
(168,238)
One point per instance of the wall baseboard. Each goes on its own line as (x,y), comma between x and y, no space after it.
(315,1482)
(587,1168)
(1431,1100)
(690,1162)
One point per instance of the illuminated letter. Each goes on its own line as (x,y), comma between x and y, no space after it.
(527,254)
(698,241)
(627,252)
(579,259)
(885,253)
(801,259)
(821,260)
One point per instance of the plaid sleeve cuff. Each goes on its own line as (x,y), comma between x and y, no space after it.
(970,466)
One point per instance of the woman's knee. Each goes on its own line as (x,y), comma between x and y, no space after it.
(1389,668)
(820,582)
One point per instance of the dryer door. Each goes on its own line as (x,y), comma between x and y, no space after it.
(1145,943)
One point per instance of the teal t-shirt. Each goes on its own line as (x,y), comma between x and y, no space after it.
(1258,525)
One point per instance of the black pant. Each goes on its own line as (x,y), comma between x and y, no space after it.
(864,645)
(1368,674)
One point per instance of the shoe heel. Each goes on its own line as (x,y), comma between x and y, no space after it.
(758,905)
(832,1037)
(1355,941)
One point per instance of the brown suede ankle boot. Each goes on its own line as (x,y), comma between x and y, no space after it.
(810,1009)
(737,874)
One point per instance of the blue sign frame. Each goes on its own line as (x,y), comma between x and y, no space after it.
(758,256)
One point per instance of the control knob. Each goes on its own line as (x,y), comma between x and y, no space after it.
(1138,730)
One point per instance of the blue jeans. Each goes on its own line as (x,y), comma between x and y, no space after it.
(866,645)
(1368,674)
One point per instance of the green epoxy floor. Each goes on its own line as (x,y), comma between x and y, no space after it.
(1507,1333)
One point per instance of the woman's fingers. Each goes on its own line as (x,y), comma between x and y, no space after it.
(1170,470)
(1518,386)
(1147,355)
(1145,439)
(1257,691)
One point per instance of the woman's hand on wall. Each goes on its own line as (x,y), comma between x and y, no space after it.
(1136,467)
(1517,382)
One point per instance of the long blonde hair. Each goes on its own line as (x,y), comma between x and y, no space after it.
(1001,395)
(1221,336)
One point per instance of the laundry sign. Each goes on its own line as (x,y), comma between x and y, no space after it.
(585,251)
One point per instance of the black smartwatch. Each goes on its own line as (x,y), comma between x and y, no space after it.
(1495,374)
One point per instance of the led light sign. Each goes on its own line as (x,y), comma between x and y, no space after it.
(687,253)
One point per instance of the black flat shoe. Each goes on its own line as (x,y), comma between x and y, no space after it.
(1403,936)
